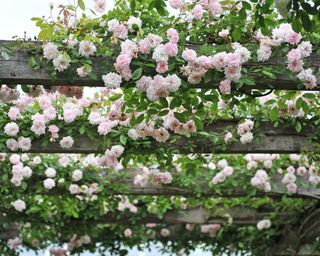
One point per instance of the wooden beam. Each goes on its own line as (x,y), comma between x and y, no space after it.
(272,140)
(17,70)
(278,189)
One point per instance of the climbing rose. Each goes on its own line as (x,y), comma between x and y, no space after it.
(14,113)
(164,232)
(134,21)
(100,6)
(173,35)
(197,12)
(77,175)
(82,71)
(264,224)
(49,183)
(12,144)
(74,189)
(176,4)
(50,51)
(224,33)
(24,143)
(127,232)
(11,129)
(292,187)
(112,80)
(50,172)
(246,138)
(86,48)
(19,205)
(66,142)
(225,87)
(61,63)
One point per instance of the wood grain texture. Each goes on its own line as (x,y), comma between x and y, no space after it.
(270,140)
(17,70)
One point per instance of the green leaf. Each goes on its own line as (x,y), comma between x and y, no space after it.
(198,123)
(298,126)
(43,34)
(274,114)
(236,34)
(82,129)
(137,74)
(81,5)
(115,97)
(123,139)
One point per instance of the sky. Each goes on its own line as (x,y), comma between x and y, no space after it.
(15,20)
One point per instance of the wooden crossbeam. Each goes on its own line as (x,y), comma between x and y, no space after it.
(271,140)
(17,70)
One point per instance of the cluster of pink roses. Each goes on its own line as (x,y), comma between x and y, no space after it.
(124,204)
(244,130)
(19,170)
(212,6)
(161,134)
(61,60)
(285,34)
(225,171)
(159,86)
(156,176)
(261,181)
(211,229)
(121,30)
(162,52)
(110,157)
(231,63)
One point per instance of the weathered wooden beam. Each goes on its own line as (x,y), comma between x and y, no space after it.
(278,190)
(272,140)
(199,215)
(17,70)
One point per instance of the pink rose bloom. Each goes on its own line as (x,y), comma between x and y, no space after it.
(104,128)
(205,62)
(233,59)
(121,32)
(224,33)
(197,12)
(310,82)
(228,136)
(53,128)
(219,60)
(162,67)
(293,37)
(295,66)
(205,228)
(123,61)
(44,102)
(176,4)
(294,54)
(292,187)
(14,113)
(225,87)
(189,227)
(145,46)
(190,126)
(215,7)
(189,55)
(100,6)
(127,232)
(172,49)
(126,73)
(173,35)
